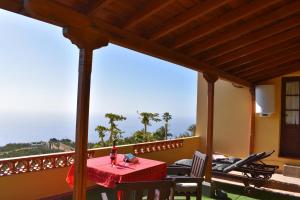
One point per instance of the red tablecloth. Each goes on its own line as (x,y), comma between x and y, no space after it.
(100,171)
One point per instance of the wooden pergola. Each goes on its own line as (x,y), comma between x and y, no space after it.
(242,41)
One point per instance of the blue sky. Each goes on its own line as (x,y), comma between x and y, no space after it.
(39,69)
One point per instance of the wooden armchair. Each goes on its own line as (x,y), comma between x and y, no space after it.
(189,179)
(154,190)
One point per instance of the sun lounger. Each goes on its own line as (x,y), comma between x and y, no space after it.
(252,166)
(250,171)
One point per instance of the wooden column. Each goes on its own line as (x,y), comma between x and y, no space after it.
(86,42)
(252,120)
(211,79)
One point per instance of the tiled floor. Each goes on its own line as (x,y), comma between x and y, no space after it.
(235,192)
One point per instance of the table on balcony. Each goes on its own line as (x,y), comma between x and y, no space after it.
(103,173)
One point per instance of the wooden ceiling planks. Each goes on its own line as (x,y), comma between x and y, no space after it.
(234,39)
(115,12)
(187,4)
(245,40)
(246,27)
(220,22)
(275,61)
(278,53)
(146,11)
(282,70)
(281,48)
(94,5)
(262,44)
(185,18)
(156,18)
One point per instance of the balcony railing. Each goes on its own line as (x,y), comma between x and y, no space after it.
(157,146)
(34,174)
(35,163)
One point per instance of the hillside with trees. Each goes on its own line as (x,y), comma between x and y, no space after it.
(142,135)
(111,131)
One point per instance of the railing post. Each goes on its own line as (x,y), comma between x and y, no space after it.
(211,79)
(86,41)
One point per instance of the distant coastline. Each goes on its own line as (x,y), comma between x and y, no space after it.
(16,128)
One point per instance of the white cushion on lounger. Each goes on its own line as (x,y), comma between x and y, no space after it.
(184,162)
(186,187)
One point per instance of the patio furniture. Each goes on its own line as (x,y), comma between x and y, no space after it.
(100,171)
(252,166)
(254,171)
(189,179)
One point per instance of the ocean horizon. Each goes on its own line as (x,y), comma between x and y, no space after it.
(24,128)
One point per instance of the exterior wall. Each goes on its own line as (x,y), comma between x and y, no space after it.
(34,185)
(52,182)
(231,117)
(232,121)
(267,136)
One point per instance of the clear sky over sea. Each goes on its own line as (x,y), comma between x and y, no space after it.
(38,80)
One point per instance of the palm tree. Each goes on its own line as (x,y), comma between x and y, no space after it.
(146,117)
(159,134)
(117,134)
(166,117)
(101,133)
(114,131)
(138,136)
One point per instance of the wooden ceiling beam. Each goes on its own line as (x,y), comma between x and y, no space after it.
(248,26)
(221,21)
(262,44)
(256,36)
(94,5)
(11,5)
(280,53)
(56,13)
(186,17)
(280,71)
(279,48)
(146,11)
(257,69)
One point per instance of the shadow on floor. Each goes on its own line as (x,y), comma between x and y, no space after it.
(234,192)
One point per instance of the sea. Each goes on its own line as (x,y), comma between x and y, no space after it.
(23,128)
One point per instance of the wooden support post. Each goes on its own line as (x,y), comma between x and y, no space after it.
(211,79)
(82,118)
(86,42)
(252,120)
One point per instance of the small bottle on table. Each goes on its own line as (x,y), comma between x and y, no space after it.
(113,154)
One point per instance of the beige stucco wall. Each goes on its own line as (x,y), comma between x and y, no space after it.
(232,121)
(231,117)
(52,182)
